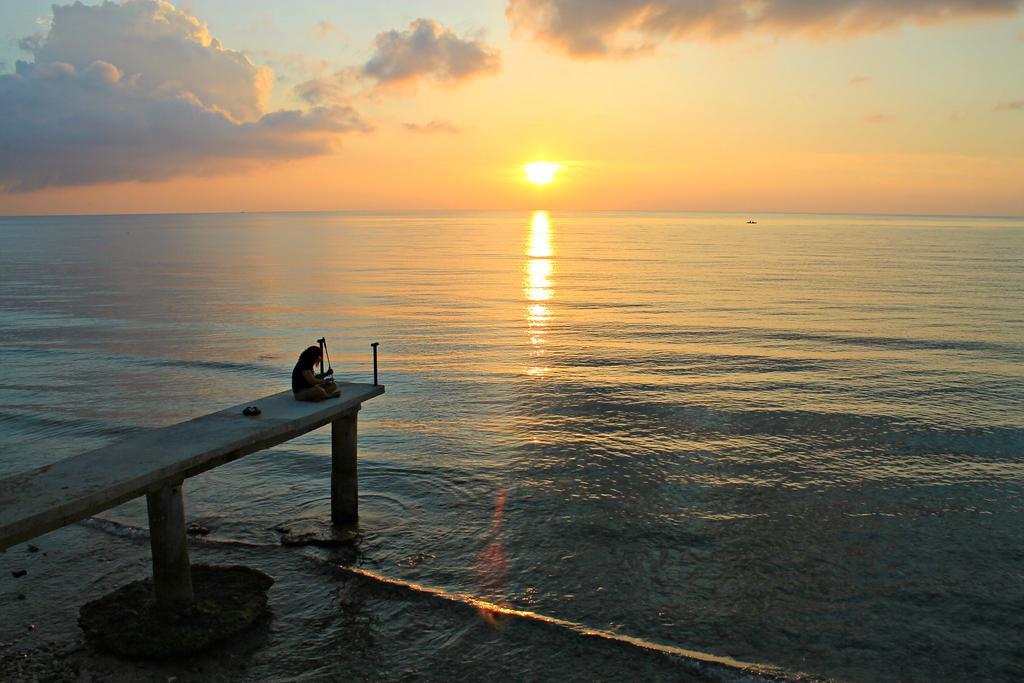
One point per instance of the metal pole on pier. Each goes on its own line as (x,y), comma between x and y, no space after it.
(375,345)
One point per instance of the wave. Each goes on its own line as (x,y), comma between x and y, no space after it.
(41,425)
(96,356)
(703,664)
(707,666)
(268,371)
(752,334)
(121,529)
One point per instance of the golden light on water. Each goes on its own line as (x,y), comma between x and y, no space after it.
(538,288)
(541,172)
(538,282)
(540,266)
(537,313)
(540,236)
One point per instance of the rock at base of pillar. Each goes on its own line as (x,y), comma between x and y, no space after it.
(317,532)
(227,601)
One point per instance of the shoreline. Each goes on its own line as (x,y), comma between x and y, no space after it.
(546,639)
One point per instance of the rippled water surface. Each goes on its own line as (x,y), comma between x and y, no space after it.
(798,443)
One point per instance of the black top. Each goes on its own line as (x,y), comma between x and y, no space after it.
(298,381)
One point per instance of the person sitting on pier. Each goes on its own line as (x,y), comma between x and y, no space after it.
(305,384)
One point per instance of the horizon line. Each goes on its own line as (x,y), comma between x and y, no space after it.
(749,213)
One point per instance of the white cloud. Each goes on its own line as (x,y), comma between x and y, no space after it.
(141,91)
(163,47)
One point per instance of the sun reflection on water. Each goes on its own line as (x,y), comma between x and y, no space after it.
(538,282)
(538,287)
(540,236)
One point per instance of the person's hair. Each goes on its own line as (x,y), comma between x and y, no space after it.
(310,356)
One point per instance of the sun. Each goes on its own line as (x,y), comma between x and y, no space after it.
(541,172)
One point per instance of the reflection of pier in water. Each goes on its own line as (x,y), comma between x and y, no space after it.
(538,289)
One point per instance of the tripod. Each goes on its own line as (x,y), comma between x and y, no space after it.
(324,356)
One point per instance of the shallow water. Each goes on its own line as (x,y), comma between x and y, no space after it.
(797,443)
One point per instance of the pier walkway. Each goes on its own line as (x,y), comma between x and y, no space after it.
(156,462)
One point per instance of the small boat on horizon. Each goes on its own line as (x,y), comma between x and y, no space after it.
(751,222)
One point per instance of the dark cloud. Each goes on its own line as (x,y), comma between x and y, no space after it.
(31,43)
(859,80)
(62,126)
(600,28)
(435,126)
(1016,105)
(429,50)
(140,91)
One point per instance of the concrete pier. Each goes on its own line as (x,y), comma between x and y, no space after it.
(156,462)
(344,479)
(172,573)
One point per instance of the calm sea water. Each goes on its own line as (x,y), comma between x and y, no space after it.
(798,443)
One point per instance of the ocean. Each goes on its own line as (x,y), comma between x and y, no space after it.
(797,443)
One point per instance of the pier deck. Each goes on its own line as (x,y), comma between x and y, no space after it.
(154,463)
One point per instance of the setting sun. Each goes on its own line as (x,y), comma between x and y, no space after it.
(541,172)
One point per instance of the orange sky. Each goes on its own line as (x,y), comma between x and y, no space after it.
(906,119)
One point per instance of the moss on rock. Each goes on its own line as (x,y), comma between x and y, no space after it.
(227,601)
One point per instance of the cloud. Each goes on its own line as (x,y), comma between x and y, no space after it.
(340,87)
(322,30)
(289,66)
(429,50)
(140,91)
(434,126)
(31,43)
(859,80)
(320,90)
(879,118)
(603,28)
(161,45)
(1016,105)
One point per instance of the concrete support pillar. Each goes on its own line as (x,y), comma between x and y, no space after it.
(344,483)
(172,573)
